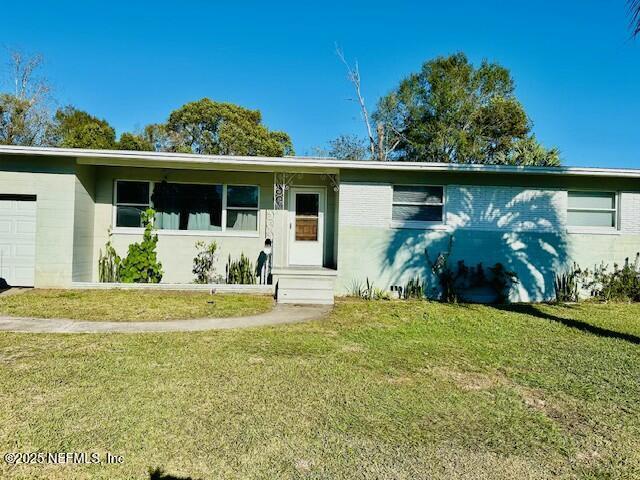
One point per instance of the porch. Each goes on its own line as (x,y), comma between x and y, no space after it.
(282,222)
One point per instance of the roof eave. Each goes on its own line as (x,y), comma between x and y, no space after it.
(298,164)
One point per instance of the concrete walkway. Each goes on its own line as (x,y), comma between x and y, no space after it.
(281,314)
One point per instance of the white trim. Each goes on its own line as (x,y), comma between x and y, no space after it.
(593,230)
(181,160)
(187,233)
(291,231)
(420,225)
(207,287)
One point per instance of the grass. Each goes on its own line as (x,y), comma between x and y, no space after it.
(130,305)
(397,390)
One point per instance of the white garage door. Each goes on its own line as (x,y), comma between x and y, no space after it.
(17,240)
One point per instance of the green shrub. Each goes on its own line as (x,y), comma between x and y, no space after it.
(240,271)
(619,284)
(413,289)
(367,291)
(204,263)
(567,284)
(109,264)
(141,263)
(454,282)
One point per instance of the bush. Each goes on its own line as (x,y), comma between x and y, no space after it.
(567,284)
(240,271)
(367,291)
(204,263)
(454,282)
(413,289)
(109,265)
(619,284)
(141,263)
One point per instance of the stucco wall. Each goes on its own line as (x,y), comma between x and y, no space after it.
(177,250)
(522,227)
(84,212)
(52,180)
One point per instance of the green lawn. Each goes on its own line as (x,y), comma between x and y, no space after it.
(130,305)
(398,390)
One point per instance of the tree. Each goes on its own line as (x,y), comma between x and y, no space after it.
(348,147)
(131,141)
(75,128)
(528,152)
(24,113)
(451,111)
(208,127)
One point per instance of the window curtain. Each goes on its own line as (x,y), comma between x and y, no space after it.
(199,203)
(166,204)
(242,220)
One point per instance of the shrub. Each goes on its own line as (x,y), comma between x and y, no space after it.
(502,280)
(619,284)
(240,271)
(204,263)
(413,289)
(567,284)
(141,263)
(109,264)
(367,291)
(455,281)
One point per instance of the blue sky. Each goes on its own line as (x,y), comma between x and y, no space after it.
(576,69)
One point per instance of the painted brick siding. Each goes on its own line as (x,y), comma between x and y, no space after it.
(630,212)
(365,204)
(505,208)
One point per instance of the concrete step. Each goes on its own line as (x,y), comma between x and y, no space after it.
(304,285)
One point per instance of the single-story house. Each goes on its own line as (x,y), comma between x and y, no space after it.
(332,223)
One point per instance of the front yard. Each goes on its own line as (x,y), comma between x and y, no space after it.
(377,390)
(130,305)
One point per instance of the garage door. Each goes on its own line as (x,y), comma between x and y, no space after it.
(17,240)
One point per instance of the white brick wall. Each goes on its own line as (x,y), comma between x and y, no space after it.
(630,212)
(480,208)
(505,208)
(365,204)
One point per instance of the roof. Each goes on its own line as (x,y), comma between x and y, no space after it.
(297,163)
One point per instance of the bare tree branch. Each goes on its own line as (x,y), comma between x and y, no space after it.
(25,83)
(354,78)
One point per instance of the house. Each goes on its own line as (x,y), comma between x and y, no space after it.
(331,222)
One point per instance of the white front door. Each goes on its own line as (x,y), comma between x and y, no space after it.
(17,240)
(306,226)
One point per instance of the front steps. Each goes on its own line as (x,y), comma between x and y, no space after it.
(304,285)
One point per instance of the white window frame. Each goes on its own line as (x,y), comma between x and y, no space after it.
(594,229)
(117,204)
(249,209)
(224,232)
(435,225)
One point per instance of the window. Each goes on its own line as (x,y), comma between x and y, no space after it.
(242,207)
(592,209)
(307,217)
(421,204)
(190,207)
(183,206)
(132,198)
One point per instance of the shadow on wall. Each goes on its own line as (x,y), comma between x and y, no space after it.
(522,229)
